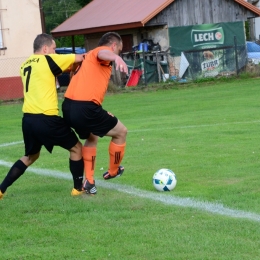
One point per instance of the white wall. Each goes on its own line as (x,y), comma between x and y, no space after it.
(20,22)
(255,22)
(257,28)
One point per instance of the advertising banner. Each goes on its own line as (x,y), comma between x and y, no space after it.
(213,62)
(208,50)
(205,36)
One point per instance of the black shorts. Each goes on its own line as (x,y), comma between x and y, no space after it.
(87,117)
(40,129)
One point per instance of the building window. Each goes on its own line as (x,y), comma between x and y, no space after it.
(1,37)
(2,45)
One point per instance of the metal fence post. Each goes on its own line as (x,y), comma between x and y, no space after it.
(145,79)
(235,42)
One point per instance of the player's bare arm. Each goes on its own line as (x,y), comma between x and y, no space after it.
(78,60)
(110,56)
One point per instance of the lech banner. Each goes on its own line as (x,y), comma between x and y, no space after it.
(207,50)
(205,36)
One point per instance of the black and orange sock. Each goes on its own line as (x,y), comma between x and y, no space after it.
(116,153)
(89,157)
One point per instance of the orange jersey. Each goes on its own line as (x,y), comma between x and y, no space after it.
(90,81)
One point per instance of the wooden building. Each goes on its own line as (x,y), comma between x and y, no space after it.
(137,20)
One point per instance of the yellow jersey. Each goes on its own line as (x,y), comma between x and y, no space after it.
(38,75)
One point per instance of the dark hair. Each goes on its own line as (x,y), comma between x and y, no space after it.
(40,40)
(109,38)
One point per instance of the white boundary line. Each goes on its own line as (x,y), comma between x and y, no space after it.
(12,143)
(192,126)
(165,128)
(215,208)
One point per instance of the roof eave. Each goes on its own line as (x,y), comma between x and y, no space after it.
(249,6)
(157,11)
(97,29)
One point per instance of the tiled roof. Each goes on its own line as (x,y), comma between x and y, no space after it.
(104,15)
(112,15)
(249,6)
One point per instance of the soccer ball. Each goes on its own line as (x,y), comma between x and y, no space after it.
(164,180)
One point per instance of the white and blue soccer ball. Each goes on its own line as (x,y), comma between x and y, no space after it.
(164,180)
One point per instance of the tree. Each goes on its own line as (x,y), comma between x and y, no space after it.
(83,2)
(57,13)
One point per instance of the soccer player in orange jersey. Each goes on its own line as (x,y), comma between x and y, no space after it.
(82,107)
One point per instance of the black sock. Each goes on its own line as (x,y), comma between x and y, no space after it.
(77,169)
(14,173)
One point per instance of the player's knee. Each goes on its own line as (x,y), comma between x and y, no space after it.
(124,131)
(78,147)
(30,159)
(121,134)
(92,140)
(33,158)
(76,152)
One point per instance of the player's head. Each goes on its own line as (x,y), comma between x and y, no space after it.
(44,44)
(113,40)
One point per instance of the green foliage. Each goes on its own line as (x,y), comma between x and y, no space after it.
(206,79)
(83,2)
(67,41)
(56,14)
(247,75)
(247,29)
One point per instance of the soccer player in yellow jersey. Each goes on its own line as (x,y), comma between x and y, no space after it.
(82,107)
(41,124)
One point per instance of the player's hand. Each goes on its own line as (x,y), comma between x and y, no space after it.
(73,68)
(121,65)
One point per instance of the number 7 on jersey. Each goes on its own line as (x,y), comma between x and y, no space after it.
(28,70)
